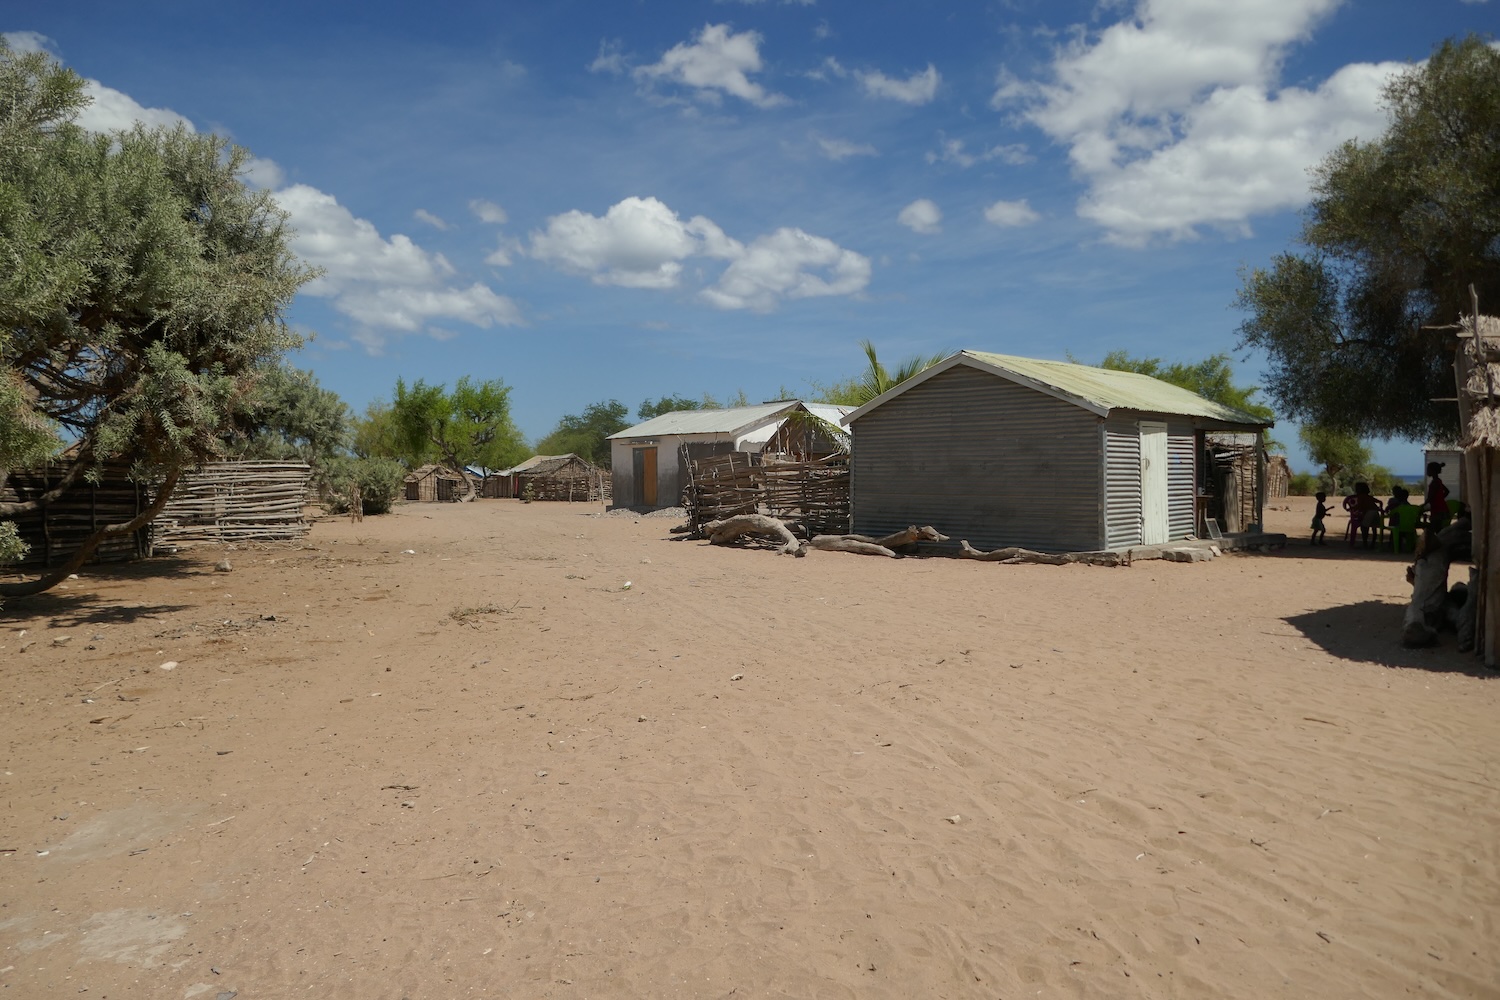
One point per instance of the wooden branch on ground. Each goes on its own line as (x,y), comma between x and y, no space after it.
(1430,609)
(733,528)
(1013,556)
(845,543)
(905,537)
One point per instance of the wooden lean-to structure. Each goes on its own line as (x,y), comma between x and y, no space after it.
(1477,370)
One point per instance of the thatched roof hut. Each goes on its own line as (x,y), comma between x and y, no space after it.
(549,477)
(434,484)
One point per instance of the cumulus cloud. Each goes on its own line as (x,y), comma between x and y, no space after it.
(638,243)
(505,253)
(1176,118)
(717,62)
(384,284)
(27,42)
(842,149)
(1011,213)
(642,243)
(263,173)
(436,222)
(922,216)
(919,88)
(954,151)
(488,211)
(786,265)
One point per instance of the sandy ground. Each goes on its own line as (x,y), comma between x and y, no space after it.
(483,767)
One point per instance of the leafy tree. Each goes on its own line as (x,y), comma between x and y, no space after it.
(290,417)
(375,435)
(673,403)
(1398,229)
(1342,455)
(875,380)
(141,296)
(585,435)
(1211,378)
(469,426)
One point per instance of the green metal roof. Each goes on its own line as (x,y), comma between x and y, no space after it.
(1098,389)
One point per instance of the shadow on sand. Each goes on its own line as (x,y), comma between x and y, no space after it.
(73,609)
(1370,632)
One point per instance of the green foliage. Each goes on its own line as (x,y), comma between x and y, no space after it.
(469,426)
(1304,484)
(290,417)
(142,288)
(1344,457)
(586,434)
(1212,378)
(1398,230)
(875,380)
(12,549)
(673,403)
(380,480)
(375,435)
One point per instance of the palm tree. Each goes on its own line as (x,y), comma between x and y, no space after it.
(876,379)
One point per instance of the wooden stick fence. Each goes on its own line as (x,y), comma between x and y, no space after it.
(55,531)
(236,501)
(815,492)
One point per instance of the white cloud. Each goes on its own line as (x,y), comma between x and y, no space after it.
(1011,213)
(488,211)
(611,57)
(638,243)
(110,110)
(27,42)
(508,249)
(953,151)
(436,222)
(642,243)
(263,173)
(383,284)
(842,149)
(717,61)
(783,265)
(919,88)
(1176,120)
(922,216)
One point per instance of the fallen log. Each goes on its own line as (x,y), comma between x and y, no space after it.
(904,538)
(846,543)
(1433,605)
(731,529)
(1013,555)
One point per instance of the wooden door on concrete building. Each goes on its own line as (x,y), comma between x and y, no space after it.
(1154,525)
(643,463)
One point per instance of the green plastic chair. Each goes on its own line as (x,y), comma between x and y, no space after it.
(1404,525)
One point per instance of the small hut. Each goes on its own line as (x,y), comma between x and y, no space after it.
(1278,477)
(552,477)
(434,484)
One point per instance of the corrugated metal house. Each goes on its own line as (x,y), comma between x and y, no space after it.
(1052,456)
(646,460)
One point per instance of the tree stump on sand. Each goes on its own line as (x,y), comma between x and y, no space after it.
(733,528)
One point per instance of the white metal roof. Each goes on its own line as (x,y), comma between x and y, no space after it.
(1097,389)
(731,422)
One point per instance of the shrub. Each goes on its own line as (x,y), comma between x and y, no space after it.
(1303,484)
(380,482)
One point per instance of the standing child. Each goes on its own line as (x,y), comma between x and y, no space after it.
(1320,512)
(1436,501)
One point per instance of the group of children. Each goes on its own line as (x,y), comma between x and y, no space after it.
(1365,510)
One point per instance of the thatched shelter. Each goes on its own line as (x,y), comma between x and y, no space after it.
(434,484)
(550,477)
(1478,375)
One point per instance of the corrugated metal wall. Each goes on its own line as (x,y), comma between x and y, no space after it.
(1123,478)
(982,459)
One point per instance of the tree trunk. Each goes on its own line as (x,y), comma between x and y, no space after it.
(1013,555)
(844,543)
(51,579)
(732,528)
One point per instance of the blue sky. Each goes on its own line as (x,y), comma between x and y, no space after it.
(630,199)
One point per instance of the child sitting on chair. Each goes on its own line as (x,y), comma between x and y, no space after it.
(1364,514)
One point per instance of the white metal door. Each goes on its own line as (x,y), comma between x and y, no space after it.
(1154,529)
